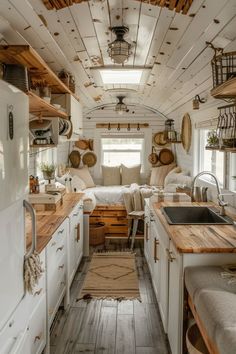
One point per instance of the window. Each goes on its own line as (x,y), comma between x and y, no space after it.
(122,150)
(232,173)
(211,160)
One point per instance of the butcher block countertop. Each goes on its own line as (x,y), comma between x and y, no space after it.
(198,238)
(47,222)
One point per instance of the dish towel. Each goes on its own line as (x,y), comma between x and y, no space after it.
(32,271)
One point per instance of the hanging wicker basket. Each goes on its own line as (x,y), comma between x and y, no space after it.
(223,68)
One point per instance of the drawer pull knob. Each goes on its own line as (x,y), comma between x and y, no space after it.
(60,248)
(61,231)
(53,244)
(38,337)
(61,266)
(11,323)
(38,292)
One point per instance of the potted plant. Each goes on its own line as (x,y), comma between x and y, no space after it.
(48,170)
(212,139)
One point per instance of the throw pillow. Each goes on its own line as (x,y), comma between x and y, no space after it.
(77,184)
(169,175)
(159,174)
(84,174)
(130,174)
(111,175)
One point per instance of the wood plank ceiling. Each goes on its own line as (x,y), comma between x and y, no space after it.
(171,44)
(177,5)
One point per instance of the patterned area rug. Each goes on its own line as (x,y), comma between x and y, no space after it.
(111,275)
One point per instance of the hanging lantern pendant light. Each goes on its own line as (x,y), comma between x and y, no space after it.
(119,50)
(120,107)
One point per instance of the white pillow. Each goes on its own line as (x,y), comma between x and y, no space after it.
(168,178)
(63,179)
(77,184)
(159,174)
(84,174)
(179,179)
(111,175)
(130,174)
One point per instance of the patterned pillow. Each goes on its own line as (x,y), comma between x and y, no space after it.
(159,174)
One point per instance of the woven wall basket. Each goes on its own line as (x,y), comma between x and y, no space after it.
(89,159)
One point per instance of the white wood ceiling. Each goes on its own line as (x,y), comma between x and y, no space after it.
(172,44)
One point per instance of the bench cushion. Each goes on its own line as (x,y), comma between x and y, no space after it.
(206,277)
(217,311)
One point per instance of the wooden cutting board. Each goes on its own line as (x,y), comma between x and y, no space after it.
(186,132)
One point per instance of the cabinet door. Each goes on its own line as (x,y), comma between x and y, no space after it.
(163,282)
(155,259)
(79,239)
(76,116)
(175,299)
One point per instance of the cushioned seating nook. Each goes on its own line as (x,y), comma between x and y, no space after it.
(212,300)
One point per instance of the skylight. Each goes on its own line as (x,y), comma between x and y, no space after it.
(114,76)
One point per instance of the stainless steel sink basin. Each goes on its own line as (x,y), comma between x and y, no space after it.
(194,215)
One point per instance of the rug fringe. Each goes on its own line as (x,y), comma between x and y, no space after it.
(89,297)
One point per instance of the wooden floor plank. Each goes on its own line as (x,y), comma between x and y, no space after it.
(125,337)
(143,337)
(67,340)
(88,332)
(126,307)
(106,335)
(146,350)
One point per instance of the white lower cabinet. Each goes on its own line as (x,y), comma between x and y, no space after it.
(167,266)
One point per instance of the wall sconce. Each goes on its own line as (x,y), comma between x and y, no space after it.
(169,132)
(198,100)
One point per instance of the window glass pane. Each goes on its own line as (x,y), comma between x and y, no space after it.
(211,160)
(232,181)
(121,150)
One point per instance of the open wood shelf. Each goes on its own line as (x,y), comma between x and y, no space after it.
(226,149)
(225,90)
(39,71)
(37,105)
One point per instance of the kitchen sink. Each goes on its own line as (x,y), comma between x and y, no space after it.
(194,215)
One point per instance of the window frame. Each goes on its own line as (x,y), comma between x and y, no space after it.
(125,136)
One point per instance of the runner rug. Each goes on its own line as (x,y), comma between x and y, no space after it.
(111,275)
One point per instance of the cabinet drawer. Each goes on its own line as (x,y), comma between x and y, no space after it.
(55,249)
(37,328)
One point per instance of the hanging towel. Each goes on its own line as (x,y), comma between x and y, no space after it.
(32,271)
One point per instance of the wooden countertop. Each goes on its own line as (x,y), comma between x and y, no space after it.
(198,238)
(47,222)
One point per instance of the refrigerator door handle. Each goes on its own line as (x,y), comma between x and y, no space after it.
(31,210)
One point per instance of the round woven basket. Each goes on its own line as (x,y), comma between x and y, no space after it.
(194,341)
(97,234)
(89,159)
(82,144)
(75,158)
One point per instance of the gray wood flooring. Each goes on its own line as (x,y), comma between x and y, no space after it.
(110,327)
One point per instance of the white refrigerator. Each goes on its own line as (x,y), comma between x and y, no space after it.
(14,118)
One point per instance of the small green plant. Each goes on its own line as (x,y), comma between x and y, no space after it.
(212,138)
(47,168)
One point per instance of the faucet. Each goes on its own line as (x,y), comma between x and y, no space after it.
(220,196)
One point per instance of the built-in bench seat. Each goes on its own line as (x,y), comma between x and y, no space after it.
(212,300)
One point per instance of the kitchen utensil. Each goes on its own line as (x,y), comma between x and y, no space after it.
(166,156)
(75,158)
(186,132)
(153,157)
(159,139)
(89,159)
(82,144)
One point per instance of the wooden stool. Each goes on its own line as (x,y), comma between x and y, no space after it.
(135,216)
